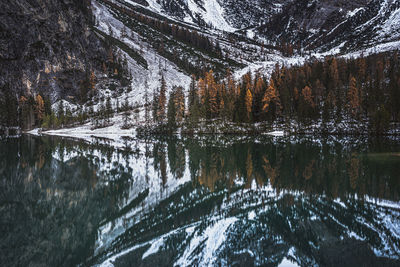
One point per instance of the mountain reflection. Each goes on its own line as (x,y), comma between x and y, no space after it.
(66,202)
(306,167)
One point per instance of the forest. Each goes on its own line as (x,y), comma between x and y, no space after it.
(362,91)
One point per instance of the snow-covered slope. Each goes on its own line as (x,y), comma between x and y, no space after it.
(322,24)
(141,77)
(225,15)
(248,34)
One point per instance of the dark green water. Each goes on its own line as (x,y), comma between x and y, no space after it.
(199,203)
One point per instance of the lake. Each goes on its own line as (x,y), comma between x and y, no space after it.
(219,201)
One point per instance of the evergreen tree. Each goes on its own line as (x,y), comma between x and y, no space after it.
(193,103)
(126,119)
(171,112)
(146,103)
(118,110)
(61,114)
(155,106)
(179,99)
(125,105)
(205,111)
(211,95)
(334,87)
(68,116)
(109,110)
(162,99)
(47,106)
(193,94)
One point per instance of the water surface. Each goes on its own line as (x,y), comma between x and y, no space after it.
(206,202)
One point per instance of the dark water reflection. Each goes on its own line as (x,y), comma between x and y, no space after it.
(203,202)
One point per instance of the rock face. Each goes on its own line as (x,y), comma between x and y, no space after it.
(46,47)
(325,24)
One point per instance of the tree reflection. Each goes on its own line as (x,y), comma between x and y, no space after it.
(300,167)
(60,197)
(52,201)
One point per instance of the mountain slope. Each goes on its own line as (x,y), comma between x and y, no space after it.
(149,39)
(223,15)
(46,46)
(323,25)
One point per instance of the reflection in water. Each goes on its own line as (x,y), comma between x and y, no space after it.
(189,202)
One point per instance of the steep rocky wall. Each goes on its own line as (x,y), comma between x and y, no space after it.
(47,47)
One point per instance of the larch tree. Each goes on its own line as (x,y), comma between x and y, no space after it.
(362,68)
(92,82)
(269,96)
(249,102)
(39,109)
(110,56)
(307,96)
(212,94)
(260,85)
(306,105)
(353,96)
(258,95)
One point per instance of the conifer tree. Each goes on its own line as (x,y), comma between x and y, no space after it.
(92,81)
(162,99)
(353,97)
(334,87)
(211,95)
(205,99)
(39,109)
(306,105)
(179,99)
(193,94)
(109,109)
(146,103)
(126,119)
(155,105)
(171,113)
(249,103)
(269,96)
(61,113)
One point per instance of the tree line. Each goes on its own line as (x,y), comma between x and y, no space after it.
(364,90)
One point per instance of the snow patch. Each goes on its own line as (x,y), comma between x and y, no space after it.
(212,13)
(277,133)
(213,237)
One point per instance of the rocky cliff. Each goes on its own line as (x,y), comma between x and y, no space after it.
(47,47)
